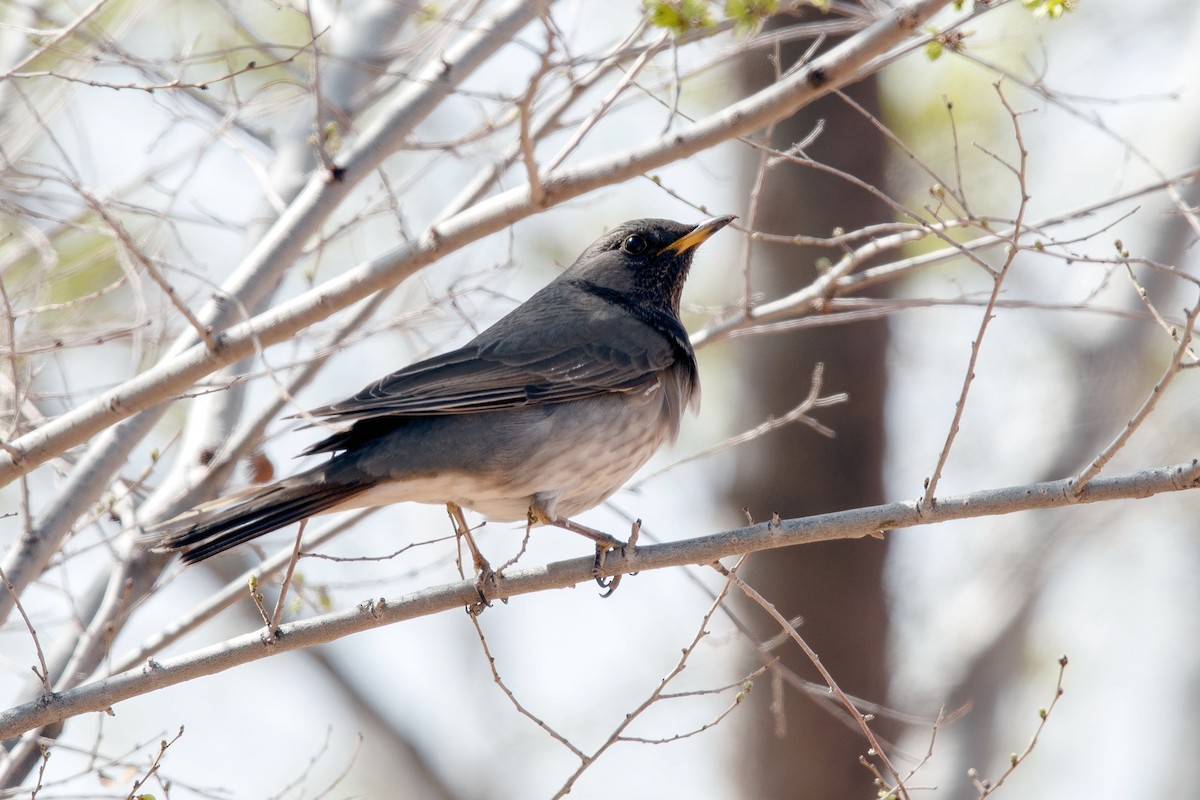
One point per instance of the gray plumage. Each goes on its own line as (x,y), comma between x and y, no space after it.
(542,416)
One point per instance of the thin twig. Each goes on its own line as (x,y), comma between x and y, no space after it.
(1148,405)
(42,672)
(525,120)
(41,774)
(154,765)
(744,686)
(273,627)
(1015,760)
(130,247)
(843,278)
(960,405)
(656,694)
(609,99)
(231,593)
(797,414)
(512,698)
(863,723)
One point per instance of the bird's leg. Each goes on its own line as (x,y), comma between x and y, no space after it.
(601,538)
(484,576)
(604,543)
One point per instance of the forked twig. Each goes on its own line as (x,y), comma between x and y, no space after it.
(659,690)
(998,277)
(1015,760)
(859,718)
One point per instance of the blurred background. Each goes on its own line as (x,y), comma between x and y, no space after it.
(966,618)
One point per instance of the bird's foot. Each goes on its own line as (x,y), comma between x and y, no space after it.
(605,543)
(609,585)
(485,587)
(626,549)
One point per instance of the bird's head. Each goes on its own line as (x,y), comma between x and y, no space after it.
(646,260)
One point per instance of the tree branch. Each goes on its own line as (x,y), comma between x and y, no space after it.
(100,695)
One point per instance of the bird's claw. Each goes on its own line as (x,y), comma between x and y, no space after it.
(609,585)
(602,550)
(605,544)
(485,585)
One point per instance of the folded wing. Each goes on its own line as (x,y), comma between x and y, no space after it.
(504,369)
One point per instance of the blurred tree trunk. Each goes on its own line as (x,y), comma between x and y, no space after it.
(835,587)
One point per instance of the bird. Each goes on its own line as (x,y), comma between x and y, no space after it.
(542,416)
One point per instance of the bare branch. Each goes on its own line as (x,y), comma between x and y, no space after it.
(790,629)
(798,414)
(101,694)
(657,693)
(512,698)
(42,671)
(960,406)
(985,787)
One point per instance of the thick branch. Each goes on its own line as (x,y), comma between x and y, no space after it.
(100,695)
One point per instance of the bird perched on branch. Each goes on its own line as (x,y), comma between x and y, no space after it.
(538,418)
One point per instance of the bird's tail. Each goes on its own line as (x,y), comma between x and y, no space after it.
(228,522)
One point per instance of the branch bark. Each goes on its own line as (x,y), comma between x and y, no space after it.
(100,695)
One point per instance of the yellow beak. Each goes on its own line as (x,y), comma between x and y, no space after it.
(698,235)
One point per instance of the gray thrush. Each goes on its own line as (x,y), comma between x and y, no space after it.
(538,418)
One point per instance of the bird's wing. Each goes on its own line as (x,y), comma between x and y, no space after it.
(577,348)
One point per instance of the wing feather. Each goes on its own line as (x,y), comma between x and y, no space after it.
(576,356)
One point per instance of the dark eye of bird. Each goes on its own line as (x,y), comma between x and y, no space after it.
(634,245)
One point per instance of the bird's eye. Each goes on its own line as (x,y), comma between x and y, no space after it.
(634,245)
